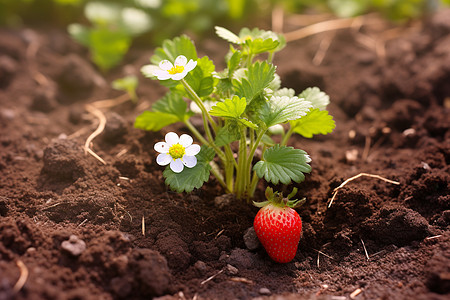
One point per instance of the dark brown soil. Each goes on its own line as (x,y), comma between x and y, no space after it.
(76,224)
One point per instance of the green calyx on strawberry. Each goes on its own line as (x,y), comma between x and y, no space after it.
(278,226)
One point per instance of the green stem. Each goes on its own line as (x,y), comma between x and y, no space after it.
(255,146)
(255,178)
(199,103)
(286,137)
(253,184)
(205,117)
(248,165)
(219,177)
(195,132)
(242,157)
(230,164)
(270,58)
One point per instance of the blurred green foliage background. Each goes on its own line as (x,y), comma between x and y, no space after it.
(108,28)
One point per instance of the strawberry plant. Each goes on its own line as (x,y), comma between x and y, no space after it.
(241,108)
(112,31)
(278,226)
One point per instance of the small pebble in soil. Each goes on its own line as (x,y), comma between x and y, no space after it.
(200,266)
(74,245)
(264,291)
(351,155)
(231,270)
(8,114)
(31,251)
(251,239)
(224,200)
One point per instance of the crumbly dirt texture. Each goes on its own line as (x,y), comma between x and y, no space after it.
(74,228)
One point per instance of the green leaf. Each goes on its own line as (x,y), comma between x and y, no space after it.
(234,62)
(228,133)
(79,33)
(247,123)
(283,164)
(282,109)
(171,49)
(108,47)
(315,122)
(275,84)
(267,140)
(191,178)
(348,8)
(230,108)
(224,88)
(258,76)
(174,104)
(227,35)
(170,109)
(317,98)
(200,79)
(154,120)
(127,83)
(285,92)
(260,45)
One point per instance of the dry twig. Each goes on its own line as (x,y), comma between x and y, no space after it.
(22,278)
(323,49)
(101,126)
(355,293)
(321,27)
(365,250)
(277,19)
(211,278)
(336,190)
(242,280)
(94,109)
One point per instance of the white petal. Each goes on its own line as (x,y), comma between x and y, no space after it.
(179,76)
(189,161)
(176,165)
(185,140)
(172,138)
(161,147)
(161,74)
(194,107)
(192,150)
(190,65)
(181,61)
(163,159)
(149,70)
(165,65)
(308,158)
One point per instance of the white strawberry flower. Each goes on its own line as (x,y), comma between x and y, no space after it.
(176,72)
(179,152)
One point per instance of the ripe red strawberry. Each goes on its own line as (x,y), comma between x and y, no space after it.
(278,226)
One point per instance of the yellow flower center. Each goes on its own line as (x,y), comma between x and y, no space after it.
(176,151)
(176,70)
